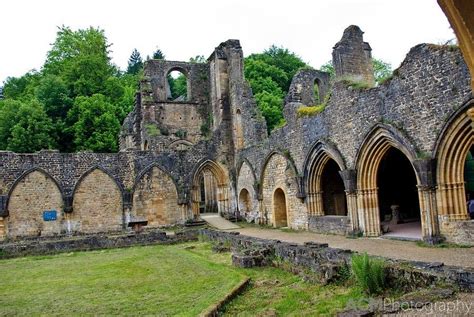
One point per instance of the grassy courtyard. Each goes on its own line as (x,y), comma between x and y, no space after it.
(156,280)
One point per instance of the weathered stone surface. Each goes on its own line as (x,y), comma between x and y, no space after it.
(327,264)
(38,246)
(219,127)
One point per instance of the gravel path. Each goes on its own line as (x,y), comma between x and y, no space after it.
(394,249)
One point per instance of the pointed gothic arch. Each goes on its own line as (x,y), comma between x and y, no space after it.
(95,191)
(155,197)
(32,195)
(210,181)
(321,157)
(455,142)
(377,145)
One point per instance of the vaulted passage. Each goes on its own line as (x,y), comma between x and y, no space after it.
(334,197)
(398,196)
(208,192)
(279,208)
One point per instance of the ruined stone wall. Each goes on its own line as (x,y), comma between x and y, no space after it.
(31,196)
(278,173)
(156,199)
(97,204)
(413,106)
(247,181)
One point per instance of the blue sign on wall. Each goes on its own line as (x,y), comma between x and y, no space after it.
(49,215)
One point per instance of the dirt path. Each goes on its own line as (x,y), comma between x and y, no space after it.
(405,250)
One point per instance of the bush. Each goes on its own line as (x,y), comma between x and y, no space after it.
(369,273)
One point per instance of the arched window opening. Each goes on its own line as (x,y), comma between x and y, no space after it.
(177,88)
(316,95)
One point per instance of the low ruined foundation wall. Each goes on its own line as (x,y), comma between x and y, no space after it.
(329,224)
(91,242)
(327,263)
(460,232)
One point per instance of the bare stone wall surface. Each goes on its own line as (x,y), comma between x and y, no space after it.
(34,194)
(97,205)
(156,199)
(279,174)
(246,181)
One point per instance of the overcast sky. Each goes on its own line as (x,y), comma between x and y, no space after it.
(186,28)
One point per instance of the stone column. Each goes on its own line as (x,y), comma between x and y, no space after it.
(368,211)
(3,232)
(425,169)
(349,177)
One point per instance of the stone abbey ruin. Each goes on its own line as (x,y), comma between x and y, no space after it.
(371,159)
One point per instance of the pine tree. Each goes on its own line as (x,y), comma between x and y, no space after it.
(135,63)
(158,54)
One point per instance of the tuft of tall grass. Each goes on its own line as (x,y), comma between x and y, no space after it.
(369,273)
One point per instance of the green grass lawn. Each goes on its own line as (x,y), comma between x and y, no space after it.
(170,280)
(274,292)
(157,280)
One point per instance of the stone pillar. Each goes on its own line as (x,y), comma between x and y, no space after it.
(3,232)
(315,203)
(427,196)
(349,177)
(368,211)
(127,208)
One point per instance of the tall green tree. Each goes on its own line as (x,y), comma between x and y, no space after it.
(96,125)
(25,126)
(81,59)
(270,74)
(135,63)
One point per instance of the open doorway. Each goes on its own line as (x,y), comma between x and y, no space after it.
(399,205)
(279,208)
(334,196)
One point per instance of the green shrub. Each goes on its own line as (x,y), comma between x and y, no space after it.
(369,273)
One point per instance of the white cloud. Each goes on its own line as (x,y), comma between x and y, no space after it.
(182,29)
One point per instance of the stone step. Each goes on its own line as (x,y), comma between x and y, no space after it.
(218,222)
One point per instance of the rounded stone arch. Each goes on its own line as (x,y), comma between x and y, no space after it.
(320,157)
(27,202)
(378,142)
(98,200)
(155,197)
(211,183)
(454,143)
(185,72)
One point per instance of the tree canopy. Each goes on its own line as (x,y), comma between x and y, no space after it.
(270,74)
(59,97)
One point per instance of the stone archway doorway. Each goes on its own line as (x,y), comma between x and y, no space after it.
(399,206)
(333,191)
(245,204)
(279,208)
